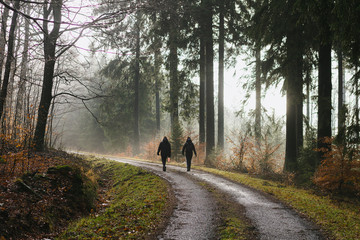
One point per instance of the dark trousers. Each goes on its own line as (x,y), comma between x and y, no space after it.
(188,162)
(163,159)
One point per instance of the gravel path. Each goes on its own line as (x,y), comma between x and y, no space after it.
(194,216)
(272,219)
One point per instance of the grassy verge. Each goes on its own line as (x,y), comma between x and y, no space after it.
(138,203)
(233,223)
(340,219)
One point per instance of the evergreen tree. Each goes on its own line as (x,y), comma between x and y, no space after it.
(177,140)
(268,28)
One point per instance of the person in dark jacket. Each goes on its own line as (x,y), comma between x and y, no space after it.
(165,149)
(188,148)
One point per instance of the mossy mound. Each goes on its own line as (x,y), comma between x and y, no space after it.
(43,203)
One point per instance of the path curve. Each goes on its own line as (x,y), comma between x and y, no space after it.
(272,220)
(194,216)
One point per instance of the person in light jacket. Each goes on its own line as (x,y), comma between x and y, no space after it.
(188,148)
(165,149)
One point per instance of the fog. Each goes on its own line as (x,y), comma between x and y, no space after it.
(81,125)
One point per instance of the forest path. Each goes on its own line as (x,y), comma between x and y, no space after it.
(194,216)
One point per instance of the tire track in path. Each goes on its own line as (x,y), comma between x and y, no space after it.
(194,217)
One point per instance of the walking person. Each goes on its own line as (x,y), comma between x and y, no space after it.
(188,148)
(165,149)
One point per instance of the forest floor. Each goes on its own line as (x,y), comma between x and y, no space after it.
(40,194)
(46,196)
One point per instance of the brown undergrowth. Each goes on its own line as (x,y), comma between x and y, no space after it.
(41,193)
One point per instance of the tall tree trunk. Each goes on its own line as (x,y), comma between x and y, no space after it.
(173,62)
(294,97)
(157,76)
(49,68)
(8,109)
(357,117)
(49,137)
(210,116)
(136,148)
(9,58)
(157,90)
(202,115)
(308,81)
(4,19)
(341,93)
(324,94)
(258,96)
(324,78)
(299,108)
(221,78)
(20,99)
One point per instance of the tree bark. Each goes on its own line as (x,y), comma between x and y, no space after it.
(258,97)
(173,61)
(324,78)
(209,46)
(294,97)
(9,58)
(308,81)
(357,117)
(157,76)
(221,78)
(20,99)
(136,148)
(157,91)
(4,19)
(49,68)
(341,93)
(324,94)
(202,114)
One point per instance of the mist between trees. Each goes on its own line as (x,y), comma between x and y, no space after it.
(147,70)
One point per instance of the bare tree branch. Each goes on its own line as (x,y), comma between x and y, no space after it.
(92,114)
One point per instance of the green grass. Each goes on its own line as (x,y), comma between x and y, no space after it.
(138,194)
(138,201)
(234,228)
(339,219)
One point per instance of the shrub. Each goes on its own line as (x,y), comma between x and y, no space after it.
(339,171)
(255,158)
(150,149)
(240,147)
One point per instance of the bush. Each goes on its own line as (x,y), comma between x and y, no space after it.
(150,149)
(339,171)
(255,158)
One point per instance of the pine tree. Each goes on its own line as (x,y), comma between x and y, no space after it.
(176,140)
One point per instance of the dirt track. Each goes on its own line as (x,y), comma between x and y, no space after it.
(194,216)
